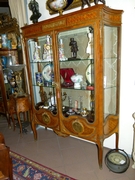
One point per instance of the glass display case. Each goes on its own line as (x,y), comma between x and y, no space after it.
(73,64)
(10,54)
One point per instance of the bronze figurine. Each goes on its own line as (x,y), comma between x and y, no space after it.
(34,7)
(84,2)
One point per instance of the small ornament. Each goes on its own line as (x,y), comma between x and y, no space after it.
(96,1)
(4,61)
(9,46)
(57,5)
(34,7)
(39,79)
(74,49)
(87,2)
(70,111)
(5,78)
(4,40)
(66,74)
(36,52)
(76,106)
(81,103)
(47,54)
(92,102)
(77,79)
(61,51)
(89,49)
(84,2)
(84,112)
(19,45)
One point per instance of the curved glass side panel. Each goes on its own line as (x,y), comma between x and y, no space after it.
(42,70)
(110,70)
(77,72)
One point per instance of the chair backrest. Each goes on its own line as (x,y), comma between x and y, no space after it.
(2,140)
(6,166)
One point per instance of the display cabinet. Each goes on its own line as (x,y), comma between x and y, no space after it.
(73,64)
(10,54)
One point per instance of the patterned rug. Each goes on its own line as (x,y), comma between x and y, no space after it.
(26,169)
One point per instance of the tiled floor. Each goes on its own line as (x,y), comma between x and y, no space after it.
(70,156)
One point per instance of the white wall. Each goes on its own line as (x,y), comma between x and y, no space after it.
(127,93)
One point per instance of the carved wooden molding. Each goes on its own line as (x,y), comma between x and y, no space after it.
(8,24)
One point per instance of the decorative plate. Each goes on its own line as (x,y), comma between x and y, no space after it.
(89,72)
(47,72)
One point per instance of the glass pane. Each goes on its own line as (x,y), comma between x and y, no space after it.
(42,69)
(8,76)
(77,72)
(110,69)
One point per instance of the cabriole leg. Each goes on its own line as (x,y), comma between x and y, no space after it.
(100,153)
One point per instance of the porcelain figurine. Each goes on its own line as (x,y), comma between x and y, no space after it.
(77,79)
(4,40)
(61,51)
(47,54)
(36,55)
(89,48)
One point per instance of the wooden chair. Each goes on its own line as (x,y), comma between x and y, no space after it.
(6,167)
(2,140)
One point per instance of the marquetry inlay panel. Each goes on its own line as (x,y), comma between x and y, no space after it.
(110,125)
(54,25)
(73,20)
(77,126)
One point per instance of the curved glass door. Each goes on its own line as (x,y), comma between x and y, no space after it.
(77,72)
(42,70)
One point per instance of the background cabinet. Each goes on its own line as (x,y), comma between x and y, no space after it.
(10,53)
(89,109)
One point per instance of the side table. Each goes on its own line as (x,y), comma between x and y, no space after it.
(22,105)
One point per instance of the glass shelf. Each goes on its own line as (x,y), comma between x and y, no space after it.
(109,87)
(61,61)
(75,89)
(77,60)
